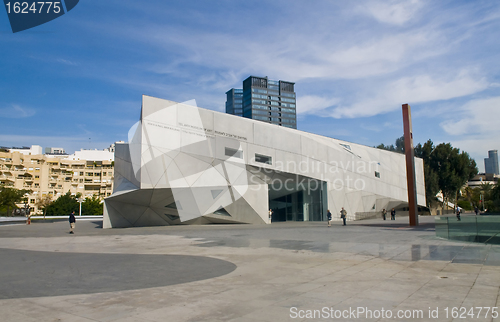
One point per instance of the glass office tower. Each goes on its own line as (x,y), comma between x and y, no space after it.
(491,163)
(266,100)
(234,101)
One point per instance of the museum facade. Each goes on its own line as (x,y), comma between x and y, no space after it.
(188,165)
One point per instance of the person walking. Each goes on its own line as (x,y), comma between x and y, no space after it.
(476,210)
(393,214)
(384,213)
(458,214)
(72,221)
(343,215)
(270,215)
(329,215)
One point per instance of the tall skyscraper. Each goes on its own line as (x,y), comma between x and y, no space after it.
(265,100)
(234,101)
(491,163)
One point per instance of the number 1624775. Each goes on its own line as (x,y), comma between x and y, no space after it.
(35,7)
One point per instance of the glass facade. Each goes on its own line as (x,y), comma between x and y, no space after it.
(491,163)
(481,229)
(302,199)
(264,100)
(234,101)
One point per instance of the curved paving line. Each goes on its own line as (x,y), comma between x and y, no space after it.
(26,273)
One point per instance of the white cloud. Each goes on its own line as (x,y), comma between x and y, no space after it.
(417,89)
(213,59)
(478,148)
(475,127)
(310,104)
(326,53)
(16,111)
(66,62)
(425,88)
(392,12)
(480,116)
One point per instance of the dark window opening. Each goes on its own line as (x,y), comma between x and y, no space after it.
(172,217)
(174,205)
(263,159)
(222,212)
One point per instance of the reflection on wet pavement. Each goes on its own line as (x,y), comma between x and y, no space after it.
(485,254)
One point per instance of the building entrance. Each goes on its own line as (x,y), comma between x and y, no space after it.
(298,199)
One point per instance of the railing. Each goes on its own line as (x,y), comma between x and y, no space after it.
(481,229)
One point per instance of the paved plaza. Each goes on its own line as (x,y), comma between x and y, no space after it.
(279,272)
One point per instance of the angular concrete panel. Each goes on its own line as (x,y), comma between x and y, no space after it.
(180,167)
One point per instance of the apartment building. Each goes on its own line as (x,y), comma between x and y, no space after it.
(89,172)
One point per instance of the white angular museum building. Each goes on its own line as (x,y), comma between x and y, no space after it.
(188,165)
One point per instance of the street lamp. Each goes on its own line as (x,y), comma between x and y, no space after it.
(80,200)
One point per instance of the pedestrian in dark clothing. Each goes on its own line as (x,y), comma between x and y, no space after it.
(476,210)
(329,215)
(343,215)
(393,214)
(458,214)
(72,221)
(384,213)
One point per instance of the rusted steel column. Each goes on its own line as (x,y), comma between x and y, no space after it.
(410,166)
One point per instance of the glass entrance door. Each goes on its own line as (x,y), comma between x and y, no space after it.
(298,202)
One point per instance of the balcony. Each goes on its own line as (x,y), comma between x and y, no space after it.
(92,183)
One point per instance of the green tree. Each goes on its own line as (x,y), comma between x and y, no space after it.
(10,196)
(490,196)
(446,169)
(399,147)
(385,147)
(486,190)
(453,169)
(92,206)
(495,197)
(464,204)
(63,205)
(495,191)
(400,144)
(468,195)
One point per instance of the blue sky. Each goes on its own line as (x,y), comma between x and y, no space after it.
(76,82)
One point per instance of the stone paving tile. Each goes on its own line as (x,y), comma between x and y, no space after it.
(340,270)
